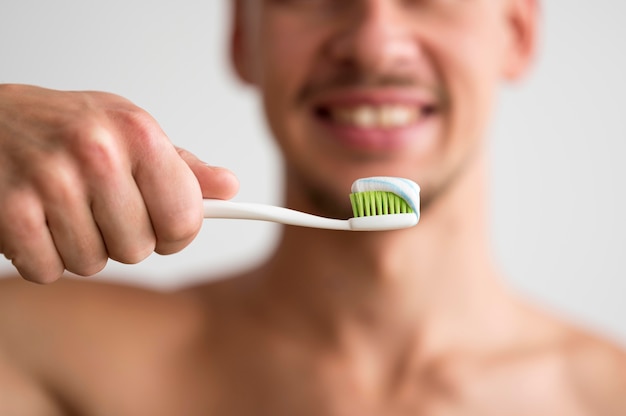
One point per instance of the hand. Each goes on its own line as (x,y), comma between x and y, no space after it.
(87,176)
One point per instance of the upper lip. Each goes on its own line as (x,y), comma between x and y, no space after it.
(349,97)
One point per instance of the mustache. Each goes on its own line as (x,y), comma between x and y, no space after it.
(350,80)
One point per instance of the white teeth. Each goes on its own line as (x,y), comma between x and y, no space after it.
(382,116)
(365,116)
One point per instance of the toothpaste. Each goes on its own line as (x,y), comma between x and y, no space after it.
(404,188)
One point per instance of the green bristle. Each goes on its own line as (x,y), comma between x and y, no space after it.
(371,203)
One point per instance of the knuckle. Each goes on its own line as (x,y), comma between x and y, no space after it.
(97,150)
(22,221)
(181,231)
(132,255)
(82,126)
(107,144)
(148,137)
(21,234)
(58,183)
(44,274)
(87,266)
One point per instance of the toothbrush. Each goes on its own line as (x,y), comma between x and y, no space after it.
(379,203)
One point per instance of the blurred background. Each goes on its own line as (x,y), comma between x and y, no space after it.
(558,140)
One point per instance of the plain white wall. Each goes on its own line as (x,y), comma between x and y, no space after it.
(558,140)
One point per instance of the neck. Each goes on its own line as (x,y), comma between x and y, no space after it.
(435,281)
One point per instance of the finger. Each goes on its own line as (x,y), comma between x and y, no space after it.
(123,220)
(117,205)
(172,196)
(74,231)
(215,182)
(26,240)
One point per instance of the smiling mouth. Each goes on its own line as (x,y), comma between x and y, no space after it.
(374,116)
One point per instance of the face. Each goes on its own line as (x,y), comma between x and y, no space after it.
(356,88)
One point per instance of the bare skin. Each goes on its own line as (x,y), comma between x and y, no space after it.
(96,349)
(411,322)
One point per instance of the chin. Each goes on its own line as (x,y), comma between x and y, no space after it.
(324,188)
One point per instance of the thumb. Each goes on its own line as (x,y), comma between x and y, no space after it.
(215,182)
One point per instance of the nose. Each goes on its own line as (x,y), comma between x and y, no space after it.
(375,37)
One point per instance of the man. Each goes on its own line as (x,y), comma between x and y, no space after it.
(414,321)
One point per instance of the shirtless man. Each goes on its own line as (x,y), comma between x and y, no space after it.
(410,322)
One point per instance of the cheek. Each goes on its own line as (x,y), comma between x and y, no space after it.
(287,55)
(469,69)
(286,52)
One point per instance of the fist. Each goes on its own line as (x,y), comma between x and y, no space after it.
(88,176)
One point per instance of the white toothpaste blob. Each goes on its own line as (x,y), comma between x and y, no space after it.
(404,188)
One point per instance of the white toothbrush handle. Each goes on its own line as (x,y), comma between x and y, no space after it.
(215,208)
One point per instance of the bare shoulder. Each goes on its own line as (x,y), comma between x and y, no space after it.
(588,368)
(597,370)
(87,310)
(550,367)
(55,338)
(70,305)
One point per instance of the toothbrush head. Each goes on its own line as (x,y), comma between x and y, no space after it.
(384,203)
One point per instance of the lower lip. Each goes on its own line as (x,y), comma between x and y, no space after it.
(375,139)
